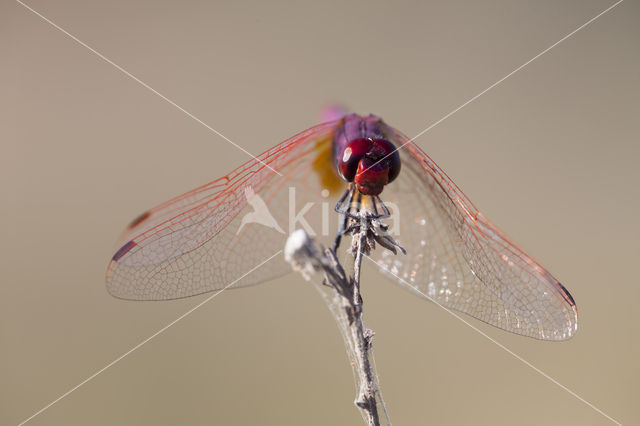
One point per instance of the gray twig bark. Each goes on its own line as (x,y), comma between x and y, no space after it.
(308,257)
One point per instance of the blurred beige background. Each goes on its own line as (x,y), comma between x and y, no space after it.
(550,155)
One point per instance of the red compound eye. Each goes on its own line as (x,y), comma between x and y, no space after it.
(371,163)
(385,154)
(351,156)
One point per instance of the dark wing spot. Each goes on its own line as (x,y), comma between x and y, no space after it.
(568,295)
(138,220)
(124,250)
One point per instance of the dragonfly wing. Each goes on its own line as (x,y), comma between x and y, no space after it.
(209,237)
(459,259)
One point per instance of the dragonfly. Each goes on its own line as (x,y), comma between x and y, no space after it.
(201,241)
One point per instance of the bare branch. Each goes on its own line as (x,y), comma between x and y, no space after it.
(308,257)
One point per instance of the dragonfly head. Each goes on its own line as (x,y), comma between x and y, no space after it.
(370,164)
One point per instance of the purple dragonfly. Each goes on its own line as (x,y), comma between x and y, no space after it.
(198,242)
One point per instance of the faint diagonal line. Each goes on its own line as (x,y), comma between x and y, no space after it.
(500,345)
(133,77)
(434,124)
(163,329)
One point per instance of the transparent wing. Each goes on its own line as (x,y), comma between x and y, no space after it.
(459,259)
(211,236)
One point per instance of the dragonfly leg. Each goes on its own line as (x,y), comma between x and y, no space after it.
(385,211)
(344,208)
(349,207)
(338,206)
(344,216)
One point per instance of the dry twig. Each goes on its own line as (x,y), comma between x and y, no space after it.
(308,257)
